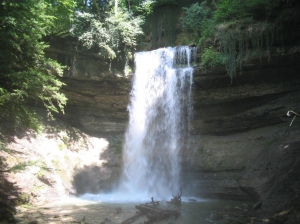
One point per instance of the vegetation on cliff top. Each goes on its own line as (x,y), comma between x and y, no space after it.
(232,31)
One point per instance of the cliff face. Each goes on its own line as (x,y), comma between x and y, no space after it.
(242,146)
(258,97)
(97,107)
(97,92)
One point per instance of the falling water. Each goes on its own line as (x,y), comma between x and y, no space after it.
(159,111)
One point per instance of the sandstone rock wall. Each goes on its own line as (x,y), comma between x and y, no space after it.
(258,97)
(97,91)
(242,146)
(97,107)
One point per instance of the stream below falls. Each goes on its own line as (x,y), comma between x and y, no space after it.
(92,212)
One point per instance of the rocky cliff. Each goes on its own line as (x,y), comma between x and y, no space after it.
(241,142)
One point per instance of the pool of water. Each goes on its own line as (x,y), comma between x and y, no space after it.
(192,211)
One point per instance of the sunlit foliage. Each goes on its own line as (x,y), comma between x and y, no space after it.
(25,74)
(62,12)
(108,35)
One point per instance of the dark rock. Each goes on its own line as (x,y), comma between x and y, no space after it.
(46,180)
(238,208)
(257,205)
(34,222)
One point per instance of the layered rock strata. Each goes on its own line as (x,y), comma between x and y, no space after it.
(241,147)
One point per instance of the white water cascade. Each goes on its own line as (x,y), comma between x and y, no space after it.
(159,111)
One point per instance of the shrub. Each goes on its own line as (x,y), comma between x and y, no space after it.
(195,17)
(210,57)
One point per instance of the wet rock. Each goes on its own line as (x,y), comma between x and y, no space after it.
(257,205)
(238,208)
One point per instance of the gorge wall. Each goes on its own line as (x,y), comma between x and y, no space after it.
(242,146)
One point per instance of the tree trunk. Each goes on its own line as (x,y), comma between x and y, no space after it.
(116,8)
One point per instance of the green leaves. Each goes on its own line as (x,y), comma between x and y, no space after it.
(210,57)
(239,29)
(25,74)
(197,19)
(62,12)
(126,28)
(195,15)
(108,35)
(91,32)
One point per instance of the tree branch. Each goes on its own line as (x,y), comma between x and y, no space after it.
(289,114)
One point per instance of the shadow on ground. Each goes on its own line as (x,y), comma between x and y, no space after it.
(9,194)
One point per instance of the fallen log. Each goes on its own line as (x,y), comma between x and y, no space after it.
(154,203)
(152,212)
(176,200)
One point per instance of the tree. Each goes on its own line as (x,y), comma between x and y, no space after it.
(62,12)
(25,73)
(111,32)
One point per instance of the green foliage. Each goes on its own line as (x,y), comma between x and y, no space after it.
(91,32)
(227,10)
(21,166)
(109,35)
(194,17)
(159,3)
(25,73)
(124,29)
(2,145)
(239,29)
(138,7)
(62,11)
(197,20)
(210,57)
(146,7)
(242,40)
(23,198)
(242,31)
(207,34)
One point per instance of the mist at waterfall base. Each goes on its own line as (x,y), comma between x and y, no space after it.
(159,115)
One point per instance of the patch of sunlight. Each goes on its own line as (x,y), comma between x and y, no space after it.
(55,157)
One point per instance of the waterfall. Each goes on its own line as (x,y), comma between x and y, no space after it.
(159,115)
